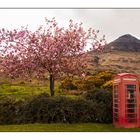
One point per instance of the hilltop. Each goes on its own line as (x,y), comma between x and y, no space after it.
(126,42)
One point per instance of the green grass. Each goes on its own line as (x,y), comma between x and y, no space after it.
(22,91)
(59,127)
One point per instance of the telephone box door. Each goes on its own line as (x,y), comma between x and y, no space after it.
(116,104)
(130,104)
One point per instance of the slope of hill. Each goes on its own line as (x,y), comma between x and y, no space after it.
(120,61)
(121,55)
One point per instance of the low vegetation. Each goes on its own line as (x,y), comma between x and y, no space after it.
(77,100)
(94,106)
(61,127)
(20,92)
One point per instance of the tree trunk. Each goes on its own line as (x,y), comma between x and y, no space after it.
(51,85)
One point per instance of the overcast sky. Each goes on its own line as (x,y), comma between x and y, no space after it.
(111,22)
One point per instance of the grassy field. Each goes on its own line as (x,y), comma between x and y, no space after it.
(22,91)
(84,127)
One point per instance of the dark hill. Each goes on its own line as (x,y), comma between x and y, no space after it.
(124,43)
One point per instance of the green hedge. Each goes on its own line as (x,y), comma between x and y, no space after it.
(56,110)
(93,106)
(102,98)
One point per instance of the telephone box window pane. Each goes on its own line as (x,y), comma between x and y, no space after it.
(116,110)
(131,115)
(131,86)
(115,91)
(130,96)
(130,110)
(130,91)
(130,101)
(115,100)
(130,105)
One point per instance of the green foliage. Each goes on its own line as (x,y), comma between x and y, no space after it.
(94,106)
(38,107)
(105,75)
(23,91)
(72,92)
(67,83)
(79,83)
(108,84)
(8,107)
(99,80)
(102,100)
(56,109)
(93,81)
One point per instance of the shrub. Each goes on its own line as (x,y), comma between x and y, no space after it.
(91,82)
(103,104)
(98,80)
(88,83)
(79,84)
(56,109)
(84,110)
(27,113)
(7,110)
(67,84)
(108,84)
(105,75)
(93,106)
(72,92)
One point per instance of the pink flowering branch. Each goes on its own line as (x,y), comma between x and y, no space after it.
(51,49)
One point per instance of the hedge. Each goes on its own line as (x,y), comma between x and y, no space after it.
(93,106)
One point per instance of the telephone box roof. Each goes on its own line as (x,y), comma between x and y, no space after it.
(125,74)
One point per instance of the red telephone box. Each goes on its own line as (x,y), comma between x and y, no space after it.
(126,101)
